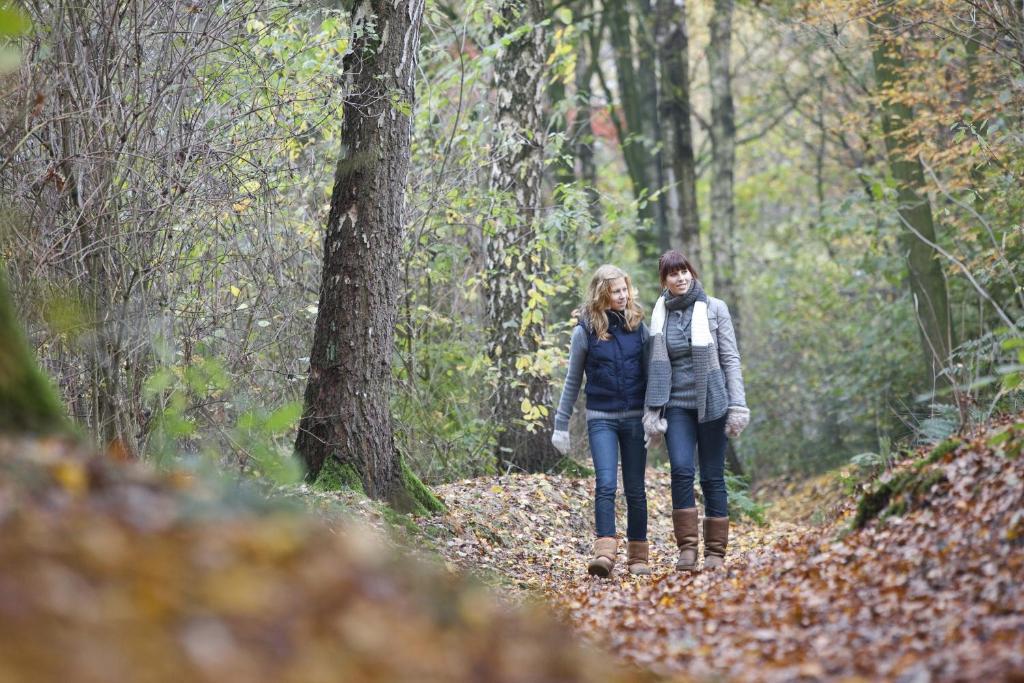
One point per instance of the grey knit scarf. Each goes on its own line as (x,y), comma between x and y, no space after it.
(659,373)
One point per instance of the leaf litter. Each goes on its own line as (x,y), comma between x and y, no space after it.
(929,591)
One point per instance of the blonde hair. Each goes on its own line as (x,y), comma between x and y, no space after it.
(599,300)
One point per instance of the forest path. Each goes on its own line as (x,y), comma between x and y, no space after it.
(934,594)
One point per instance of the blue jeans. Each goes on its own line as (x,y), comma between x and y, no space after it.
(683,435)
(608,439)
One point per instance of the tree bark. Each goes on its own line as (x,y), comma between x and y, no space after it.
(347,414)
(514,259)
(926,279)
(676,110)
(723,142)
(583,137)
(631,128)
(723,139)
(648,37)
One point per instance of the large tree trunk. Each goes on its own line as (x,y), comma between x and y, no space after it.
(347,414)
(926,279)
(514,260)
(723,139)
(676,110)
(28,403)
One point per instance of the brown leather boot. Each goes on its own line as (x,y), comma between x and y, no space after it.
(636,558)
(716,538)
(684,523)
(604,556)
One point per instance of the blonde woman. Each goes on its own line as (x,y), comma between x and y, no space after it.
(608,347)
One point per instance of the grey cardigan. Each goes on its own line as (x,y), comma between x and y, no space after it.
(726,357)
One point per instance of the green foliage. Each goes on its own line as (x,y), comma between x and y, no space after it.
(741,503)
(195,412)
(571,468)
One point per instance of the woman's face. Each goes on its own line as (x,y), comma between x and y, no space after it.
(618,293)
(679,281)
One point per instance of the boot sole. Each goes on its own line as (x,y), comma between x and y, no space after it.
(599,570)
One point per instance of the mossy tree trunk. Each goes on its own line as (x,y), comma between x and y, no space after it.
(28,403)
(926,279)
(347,415)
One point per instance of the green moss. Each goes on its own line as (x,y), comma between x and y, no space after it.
(336,476)
(413,495)
(28,402)
(939,452)
(898,495)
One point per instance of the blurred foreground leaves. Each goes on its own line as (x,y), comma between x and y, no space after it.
(111,572)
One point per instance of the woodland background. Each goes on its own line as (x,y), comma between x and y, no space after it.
(167,170)
(355,232)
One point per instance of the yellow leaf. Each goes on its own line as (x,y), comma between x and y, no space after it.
(71,476)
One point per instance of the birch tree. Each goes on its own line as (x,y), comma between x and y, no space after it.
(515,261)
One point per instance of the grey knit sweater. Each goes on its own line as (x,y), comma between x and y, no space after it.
(578,349)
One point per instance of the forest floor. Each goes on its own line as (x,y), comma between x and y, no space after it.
(931,588)
(110,571)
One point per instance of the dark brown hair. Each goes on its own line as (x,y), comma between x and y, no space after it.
(671,261)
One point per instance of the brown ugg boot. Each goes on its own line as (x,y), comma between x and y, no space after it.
(604,556)
(684,523)
(716,538)
(636,558)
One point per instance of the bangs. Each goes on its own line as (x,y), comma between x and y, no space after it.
(671,261)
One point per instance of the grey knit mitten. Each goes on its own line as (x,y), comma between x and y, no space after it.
(560,440)
(655,427)
(654,423)
(737,421)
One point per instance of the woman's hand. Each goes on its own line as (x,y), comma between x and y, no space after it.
(560,440)
(653,424)
(737,421)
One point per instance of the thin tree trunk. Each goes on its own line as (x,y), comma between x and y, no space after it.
(514,259)
(676,111)
(723,138)
(586,65)
(631,129)
(347,414)
(648,34)
(927,282)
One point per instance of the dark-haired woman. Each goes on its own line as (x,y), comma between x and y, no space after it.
(695,397)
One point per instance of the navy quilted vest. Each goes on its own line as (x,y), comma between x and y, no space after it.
(616,380)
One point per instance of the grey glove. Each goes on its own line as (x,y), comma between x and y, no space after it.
(736,422)
(654,424)
(655,427)
(560,440)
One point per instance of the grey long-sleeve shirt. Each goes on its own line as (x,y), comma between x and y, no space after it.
(579,346)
